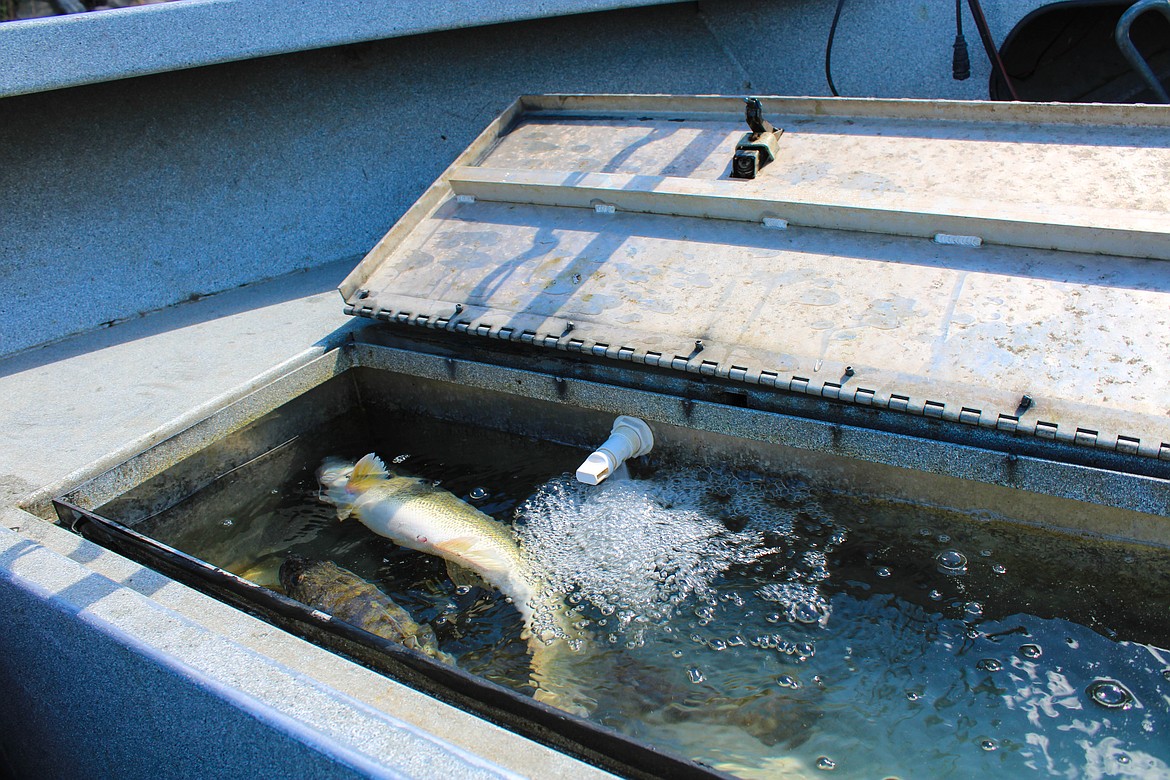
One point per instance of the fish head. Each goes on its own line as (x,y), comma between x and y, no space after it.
(292,570)
(342,483)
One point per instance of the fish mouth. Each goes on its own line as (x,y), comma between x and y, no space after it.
(334,471)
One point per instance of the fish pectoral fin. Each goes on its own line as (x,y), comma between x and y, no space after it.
(464,577)
(469,549)
(368,470)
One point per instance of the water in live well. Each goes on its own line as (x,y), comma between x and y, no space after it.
(773,630)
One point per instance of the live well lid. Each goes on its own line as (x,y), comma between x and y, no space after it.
(994,264)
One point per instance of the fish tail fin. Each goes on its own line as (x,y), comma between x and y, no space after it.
(554,680)
(366,472)
(555,643)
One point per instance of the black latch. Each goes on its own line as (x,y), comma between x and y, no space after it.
(757,148)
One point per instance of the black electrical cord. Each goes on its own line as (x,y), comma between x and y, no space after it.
(989,45)
(961,62)
(829,49)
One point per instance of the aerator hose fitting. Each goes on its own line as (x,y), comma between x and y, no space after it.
(629,438)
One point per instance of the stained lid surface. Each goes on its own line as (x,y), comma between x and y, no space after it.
(610,225)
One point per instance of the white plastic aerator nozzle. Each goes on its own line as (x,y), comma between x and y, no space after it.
(629,438)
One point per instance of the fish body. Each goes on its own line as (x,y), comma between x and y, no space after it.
(330,588)
(416,514)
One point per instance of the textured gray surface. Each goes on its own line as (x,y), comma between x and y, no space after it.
(120,384)
(66,51)
(883,48)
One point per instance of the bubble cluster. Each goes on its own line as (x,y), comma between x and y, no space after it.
(802,603)
(644,547)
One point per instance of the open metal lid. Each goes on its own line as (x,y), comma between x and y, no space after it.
(993,264)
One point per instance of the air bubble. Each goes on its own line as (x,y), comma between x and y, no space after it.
(1166,674)
(807,613)
(717,644)
(227,522)
(883,571)
(826,763)
(477,494)
(787,681)
(990,665)
(988,744)
(695,675)
(1122,758)
(913,695)
(985,553)
(951,562)
(999,568)
(973,610)
(1111,694)
(1031,651)
(936,595)
(943,538)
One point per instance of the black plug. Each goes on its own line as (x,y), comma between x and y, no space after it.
(961,63)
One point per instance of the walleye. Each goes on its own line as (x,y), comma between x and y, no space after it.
(414,513)
(328,587)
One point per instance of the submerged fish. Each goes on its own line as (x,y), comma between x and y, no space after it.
(414,513)
(328,587)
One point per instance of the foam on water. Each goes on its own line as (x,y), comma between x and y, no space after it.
(641,548)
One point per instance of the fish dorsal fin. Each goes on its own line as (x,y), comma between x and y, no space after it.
(469,549)
(368,470)
(464,577)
